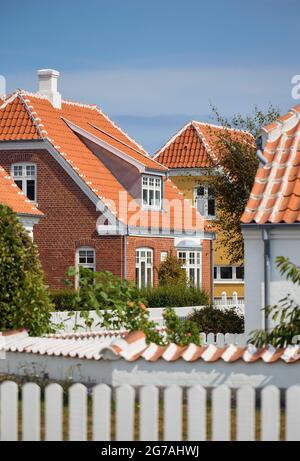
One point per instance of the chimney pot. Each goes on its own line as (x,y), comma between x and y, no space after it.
(48,86)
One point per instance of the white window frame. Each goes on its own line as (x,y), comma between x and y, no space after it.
(24,177)
(87,265)
(144,255)
(205,198)
(152,184)
(234,278)
(191,262)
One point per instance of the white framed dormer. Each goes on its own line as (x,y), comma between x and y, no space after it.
(24,175)
(205,201)
(152,187)
(85,257)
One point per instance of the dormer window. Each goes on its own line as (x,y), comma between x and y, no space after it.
(151,192)
(24,175)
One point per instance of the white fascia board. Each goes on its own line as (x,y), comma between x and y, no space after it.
(21,145)
(86,134)
(190,171)
(164,233)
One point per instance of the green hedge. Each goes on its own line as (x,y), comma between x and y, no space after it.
(63,300)
(174,296)
(213,320)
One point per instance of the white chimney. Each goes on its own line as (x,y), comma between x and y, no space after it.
(48,86)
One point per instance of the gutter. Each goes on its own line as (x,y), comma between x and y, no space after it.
(267,269)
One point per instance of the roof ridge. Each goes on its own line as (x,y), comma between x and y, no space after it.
(222,127)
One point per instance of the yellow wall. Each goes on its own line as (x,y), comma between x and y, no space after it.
(187,184)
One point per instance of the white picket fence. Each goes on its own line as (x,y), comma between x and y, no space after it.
(94,422)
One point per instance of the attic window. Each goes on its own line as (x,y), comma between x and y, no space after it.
(151,192)
(24,175)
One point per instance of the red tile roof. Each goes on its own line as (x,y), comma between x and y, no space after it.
(100,345)
(13,197)
(275,196)
(196,145)
(26,116)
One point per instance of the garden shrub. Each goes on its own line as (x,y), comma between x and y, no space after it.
(174,296)
(63,300)
(213,320)
(171,272)
(24,300)
(180,332)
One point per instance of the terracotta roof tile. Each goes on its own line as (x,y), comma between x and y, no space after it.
(280,176)
(13,197)
(30,116)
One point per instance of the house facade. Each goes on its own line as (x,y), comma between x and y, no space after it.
(107,204)
(271,221)
(189,155)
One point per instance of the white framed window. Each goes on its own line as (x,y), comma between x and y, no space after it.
(163,256)
(85,257)
(144,267)
(24,176)
(191,262)
(229,273)
(205,201)
(151,192)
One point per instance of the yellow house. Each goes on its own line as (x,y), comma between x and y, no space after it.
(189,156)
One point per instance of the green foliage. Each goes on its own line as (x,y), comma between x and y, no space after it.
(24,301)
(236,168)
(118,304)
(171,272)
(213,320)
(180,332)
(174,296)
(286,315)
(63,300)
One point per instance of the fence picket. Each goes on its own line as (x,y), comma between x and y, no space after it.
(270,414)
(31,397)
(246,414)
(197,414)
(9,412)
(220,340)
(125,396)
(221,421)
(53,413)
(101,413)
(210,338)
(173,413)
(293,414)
(149,413)
(78,413)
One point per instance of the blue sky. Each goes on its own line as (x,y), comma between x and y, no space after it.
(153,65)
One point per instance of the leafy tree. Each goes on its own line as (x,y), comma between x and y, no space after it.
(286,314)
(180,332)
(236,165)
(24,300)
(170,272)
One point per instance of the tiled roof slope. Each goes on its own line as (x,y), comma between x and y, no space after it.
(25,116)
(275,196)
(196,145)
(133,347)
(13,197)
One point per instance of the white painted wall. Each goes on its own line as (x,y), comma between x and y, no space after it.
(284,241)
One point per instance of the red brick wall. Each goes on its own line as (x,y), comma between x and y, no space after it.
(206,266)
(69,221)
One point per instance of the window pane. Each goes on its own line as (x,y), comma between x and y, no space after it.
(151,197)
(157,198)
(31,189)
(211,192)
(226,272)
(200,191)
(19,184)
(30,170)
(192,276)
(239,272)
(143,274)
(157,182)
(198,278)
(145,196)
(145,181)
(192,258)
(211,209)
(215,273)
(137,276)
(149,276)
(18,169)
(200,205)
(151,182)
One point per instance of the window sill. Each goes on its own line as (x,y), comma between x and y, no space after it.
(229,281)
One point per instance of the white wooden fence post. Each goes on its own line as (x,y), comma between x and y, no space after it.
(101,413)
(293,414)
(246,414)
(125,396)
(173,413)
(54,413)
(9,412)
(149,413)
(31,421)
(221,418)
(224,298)
(197,414)
(78,413)
(270,414)
(235,299)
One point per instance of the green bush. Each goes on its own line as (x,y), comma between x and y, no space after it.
(213,320)
(24,300)
(178,332)
(174,296)
(170,272)
(63,300)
